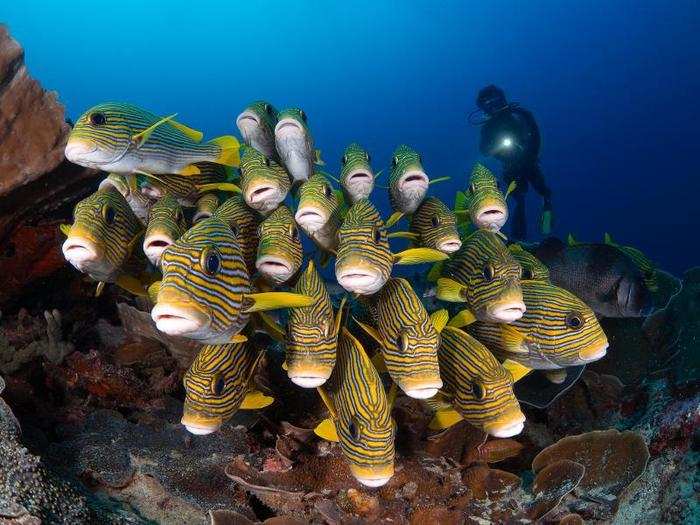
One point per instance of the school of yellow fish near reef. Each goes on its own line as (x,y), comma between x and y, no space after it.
(201,228)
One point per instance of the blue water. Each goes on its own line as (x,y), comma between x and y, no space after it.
(613,86)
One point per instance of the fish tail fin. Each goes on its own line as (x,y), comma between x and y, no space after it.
(230,150)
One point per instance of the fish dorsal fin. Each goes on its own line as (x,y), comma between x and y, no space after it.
(65,229)
(264,301)
(140,138)
(238,338)
(339,316)
(317,158)
(132,285)
(228,187)
(444,418)
(607,239)
(463,318)
(255,400)
(570,240)
(403,235)
(435,271)
(419,256)
(439,319)
(371,331)
(516,370)
(439,179)
(513,339)
(450,290)
(394,218)
(515,248)
(379,363)
(326,430)
(191,133)
(511,188)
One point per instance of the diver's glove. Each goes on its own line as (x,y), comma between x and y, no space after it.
(546,222)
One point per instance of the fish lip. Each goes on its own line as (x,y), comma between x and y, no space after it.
(308,381)
(359,177)
(79,251)
(508,431)
(248,117)
(414,180)
(373,479)
(513,426)
(178,319)
(361,281)
(274,266)
(199,425)
(588,356)
(154,245)
(422,392)
(449,245)
(257,194)
(310,217)
(491,218)
(288,126)
(506,312)
(200,216)
(77,149)
(374,482)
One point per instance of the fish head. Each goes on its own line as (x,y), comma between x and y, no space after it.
(204,282)
(410,356)
(166,224)
(356,175)
(632,294)
(215,385)
(364,261)
(257,126)
(436,225)
(100,239)
(317,203)
(408,182)
(264,183)
(310,351)
(487,206)
(102,135)
(532,269)
(279,252)
(129,186)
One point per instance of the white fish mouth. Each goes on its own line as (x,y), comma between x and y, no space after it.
(421,393)
(449,245)
(310,218)
(79,251)
(86,153)
(374,482)
(247,119)
(274,267)
(175,320)
(507,312)
(200,216)
(288,127)
(308,381)
(155,245)
(508,431)
(259,194)
(200,431)
(413,181)
(359,281)
(491,218)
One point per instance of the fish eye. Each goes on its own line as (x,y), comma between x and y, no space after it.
(303,115)
(234,230)
(402,342)
(478,391)
(344,160)
(574,320)
(526,273)
(108,214)
(217,384)
(210,261)
(394,161)
(327,191)
(97,119)
(267,108)
(267,162)
(489,272)
(376,235)
(178,216)
(435,221)
(472,188)
(354,430)
(293,232)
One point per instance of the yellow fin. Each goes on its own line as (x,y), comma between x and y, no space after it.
(271,327)
(404,235)
(131,284)
(327,401)
(440,179)
(255,400)
(419,256)
(238,338)
(190,170)
(191,133)
(65,229)
(516,370)
(339,315)
(371,331)
(439,319)
(100,288)
(317,158)
(219,186)
(607,239)
(463,318)
(284,365)
(153,291)
(273,300)
(391,395)
(395,217)
(140,138)
(515,248)
(151,176)
(556,376)
(570,240)
(511,188)
(379,363)
(512,339)
(450,290)
(326,430)
(435,271)
(230,154)
(444,418)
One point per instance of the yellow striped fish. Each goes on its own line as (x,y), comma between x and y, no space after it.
(356,175)
(318,213)
(360,414)
(244,223)
(205,293)
(312,333)
(295,145)
(102,238)
(533,268)
(166,224)
(484,275)
(434,226)
(257,126)
(482,202)
(128,186)
(640,260)
(477,386)
(407,338)
(187,189)
(264,183)
(279,251)
(206,205)
(364,260)
(217,384)
(557,330)
(123,138)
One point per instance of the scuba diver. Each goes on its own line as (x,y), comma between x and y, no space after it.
(510,134)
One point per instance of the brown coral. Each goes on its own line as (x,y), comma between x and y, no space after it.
(554,482)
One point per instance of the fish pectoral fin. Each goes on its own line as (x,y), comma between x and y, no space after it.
(255,400)
(190,170)
(546,222)
(284,365)
(439,319)
(404,235)
(511,188)
(379,363)
(463,318)
(271,327)
(394,218)
(440,179)
(238,338)
(100,288)
(444,418)
(419,256)
(153,290)
(450,290)
(392,395)
(229,187)
(517,370)
(317,158)
(513,339)
(65,229)
(132,285)
(326,430)
(140,138)
(570,240)
(556,376)
(191,133)
(371,331)
(339,316)
(330,405)
(273,300)
(230,154)
(435,271)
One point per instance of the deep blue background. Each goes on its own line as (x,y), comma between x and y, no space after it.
(613,85)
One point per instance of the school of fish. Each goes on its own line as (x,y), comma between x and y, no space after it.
(212,234)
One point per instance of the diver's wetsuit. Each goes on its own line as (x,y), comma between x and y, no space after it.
(520,159)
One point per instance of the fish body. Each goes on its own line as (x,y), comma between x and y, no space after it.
(123,138)
(556,331)
(408,182)
(103,235)
(312,335)
(436,226)
(166,224)
(533,268)
(484,275)
(127,185)
(295,144)
(318,213)
(186,189)
(604,277)
(479,387)
(356,175)
(279,251)
(264,183)
(244,223)
(362,419)
(257,126)
(483,200)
